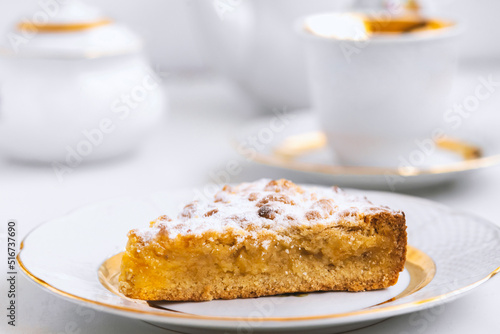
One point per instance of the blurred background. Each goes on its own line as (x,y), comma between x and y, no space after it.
(216,69)
(187,84)
(164,25)
(170,28)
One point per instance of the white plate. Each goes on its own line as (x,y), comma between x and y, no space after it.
(259,140)
(64,255)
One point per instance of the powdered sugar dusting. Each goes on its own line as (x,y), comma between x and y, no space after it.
(272,205)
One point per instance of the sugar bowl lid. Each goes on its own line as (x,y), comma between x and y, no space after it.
(70,29)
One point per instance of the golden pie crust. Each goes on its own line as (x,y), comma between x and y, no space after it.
(265,238)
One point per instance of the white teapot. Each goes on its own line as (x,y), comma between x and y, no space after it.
(75,86)
(253,43)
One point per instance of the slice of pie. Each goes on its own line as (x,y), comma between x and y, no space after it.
(266,238)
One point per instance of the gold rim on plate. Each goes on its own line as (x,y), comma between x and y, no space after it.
(419,265)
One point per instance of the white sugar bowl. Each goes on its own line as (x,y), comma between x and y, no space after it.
(75,86)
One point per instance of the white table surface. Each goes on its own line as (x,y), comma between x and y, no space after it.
(194,141)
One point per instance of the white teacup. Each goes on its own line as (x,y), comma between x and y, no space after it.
(377,95)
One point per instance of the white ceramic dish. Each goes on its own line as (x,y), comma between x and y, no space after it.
(66,255)
(246,40)
(79,89)
(259,140)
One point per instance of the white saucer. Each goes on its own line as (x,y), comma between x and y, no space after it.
(260,141)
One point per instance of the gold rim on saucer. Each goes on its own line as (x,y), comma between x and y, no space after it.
(286,154)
